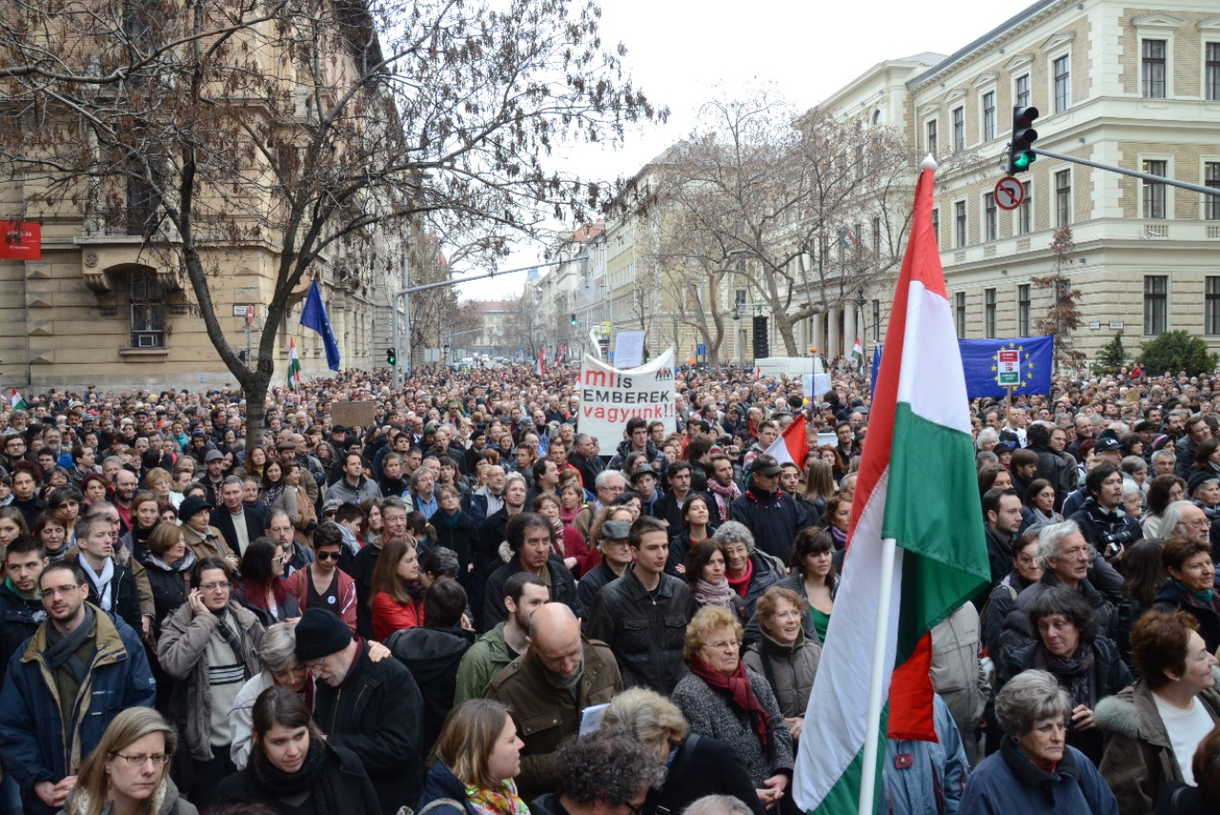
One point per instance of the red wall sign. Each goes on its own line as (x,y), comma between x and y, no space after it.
(20,240)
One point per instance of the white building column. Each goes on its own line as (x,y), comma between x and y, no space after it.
(833,345)
(815,334)
(849,328)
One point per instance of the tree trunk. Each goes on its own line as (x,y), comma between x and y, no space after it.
(784,325)
(255,391)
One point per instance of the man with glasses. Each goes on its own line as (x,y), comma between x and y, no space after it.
(14,451)
(1065,557)
(372,708)
(78,671)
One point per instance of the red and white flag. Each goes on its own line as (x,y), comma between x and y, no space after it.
(793,445)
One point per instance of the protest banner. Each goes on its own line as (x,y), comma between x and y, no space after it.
(610,396)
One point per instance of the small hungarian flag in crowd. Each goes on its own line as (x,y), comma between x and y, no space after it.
(793,445)
(857,352)
(16,401)
(294,364)
(918,487)
(540,368)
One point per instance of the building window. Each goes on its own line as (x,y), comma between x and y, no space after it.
(1063,198)
(1022,94)
(876,321)
(936,225)
(1155,311)
(959,313)
(1061,70)
(989,312)
(1025,212)
(959,222)
(1211,178)
(876,237)
(931,136)
(1154,192)
(989,116)
(1153,69)
(147,312)
(990,231)
(1212,71)
(959,129)
(739,301)
(1023,310)
(1211,312)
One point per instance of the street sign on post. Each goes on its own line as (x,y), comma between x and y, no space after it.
(1009,193)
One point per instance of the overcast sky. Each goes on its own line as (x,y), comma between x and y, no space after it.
(680,52)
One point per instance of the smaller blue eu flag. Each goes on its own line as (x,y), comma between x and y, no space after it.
(314,316)
(993,367)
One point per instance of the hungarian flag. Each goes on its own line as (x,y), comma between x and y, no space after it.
(793,445)
(294,364)
(917,485)
(540,368)
(16,401)
(857,352)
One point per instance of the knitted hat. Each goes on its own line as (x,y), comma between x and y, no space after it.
(320,633)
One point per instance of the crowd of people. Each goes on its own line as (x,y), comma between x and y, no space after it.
(470,606)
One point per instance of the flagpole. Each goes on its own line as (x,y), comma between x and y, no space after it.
(872,733)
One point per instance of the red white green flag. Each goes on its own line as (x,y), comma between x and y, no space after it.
(792,445)
(917,485)
(294,364)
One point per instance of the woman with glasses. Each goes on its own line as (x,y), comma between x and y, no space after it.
(323,584)
(209,646)
(126,773)
(292,770)
(262,588)
(724,700)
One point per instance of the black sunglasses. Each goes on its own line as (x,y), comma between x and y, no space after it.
(328,556)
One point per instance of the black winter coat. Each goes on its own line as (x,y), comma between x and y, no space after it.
(1109,676)
(1173,596)
(353,790)
(378,715)
(125,601)
(1098,526)
(645,631)
(432,656)
(702,766)
(170,586)
(773,517)
(19,619)
(462,538)
(563,590)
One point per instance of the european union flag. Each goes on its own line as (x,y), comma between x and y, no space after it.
(314,316)
(993,367)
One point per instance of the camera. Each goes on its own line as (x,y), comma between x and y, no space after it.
(1114,541)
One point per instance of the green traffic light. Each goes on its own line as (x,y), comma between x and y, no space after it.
(1024,160)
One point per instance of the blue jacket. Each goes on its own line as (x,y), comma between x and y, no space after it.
(1007,782)
(32,734)
(442,784)
(933,773)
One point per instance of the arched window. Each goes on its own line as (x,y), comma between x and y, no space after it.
(147,311)
(876,117)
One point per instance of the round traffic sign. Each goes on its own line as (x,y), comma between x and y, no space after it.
(1009,193)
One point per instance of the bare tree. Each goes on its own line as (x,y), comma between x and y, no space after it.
(316,133)
(1063,315)
(800,211)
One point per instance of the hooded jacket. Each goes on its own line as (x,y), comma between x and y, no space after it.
(35,743)
(1009,782)
(19,620)
(432,656)
(482,661)
(1138,758)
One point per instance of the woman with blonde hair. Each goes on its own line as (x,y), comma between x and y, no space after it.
(474,762)
(697,765)
(126,773)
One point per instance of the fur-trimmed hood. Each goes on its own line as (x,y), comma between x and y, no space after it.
(1121,714)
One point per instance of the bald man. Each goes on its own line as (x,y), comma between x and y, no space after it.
(548,686)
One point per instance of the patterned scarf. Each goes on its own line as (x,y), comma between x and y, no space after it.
(719,595)
(724,496)
(497,801)
(737,685)
(1075,673)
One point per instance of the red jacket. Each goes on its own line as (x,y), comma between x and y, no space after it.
(297,584)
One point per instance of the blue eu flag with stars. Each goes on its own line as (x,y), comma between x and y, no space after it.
(314,316)
(992,367)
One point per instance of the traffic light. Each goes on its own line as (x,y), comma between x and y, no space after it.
(391,356)
(573,320)
(647,354)
(1021,149)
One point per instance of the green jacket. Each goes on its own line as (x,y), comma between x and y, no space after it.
(487,657)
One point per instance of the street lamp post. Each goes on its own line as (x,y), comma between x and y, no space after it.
(861,303)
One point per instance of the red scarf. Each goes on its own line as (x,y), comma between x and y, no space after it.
(741,584)
(738,686)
